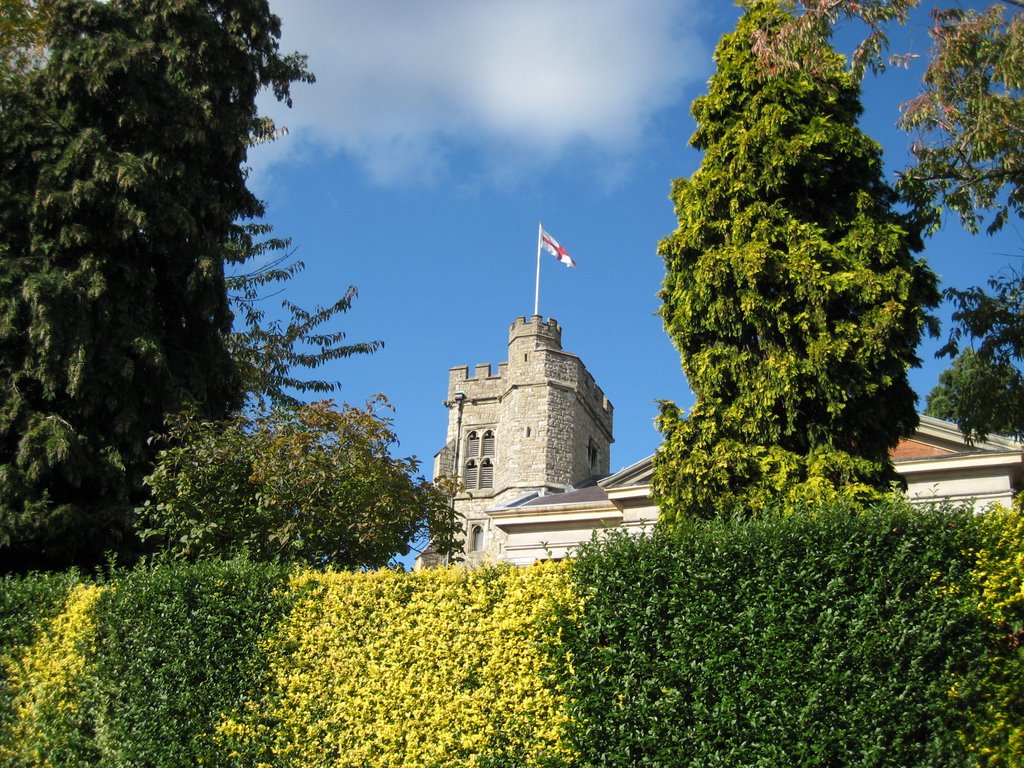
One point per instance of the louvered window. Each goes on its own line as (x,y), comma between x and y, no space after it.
(473,444)
(471,474)
(486,474)
(488,443)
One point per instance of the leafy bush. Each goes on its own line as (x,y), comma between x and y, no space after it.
(314,484)
(28,606)
(821,638)
(176,647)
(995,730)
(236,664)
(888,638)
(138,671)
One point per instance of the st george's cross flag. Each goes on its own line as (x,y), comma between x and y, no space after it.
(551,246)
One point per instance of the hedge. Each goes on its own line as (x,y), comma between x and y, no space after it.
(888,638)
(236,664)
(26,604)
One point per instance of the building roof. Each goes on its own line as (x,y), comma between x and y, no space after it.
(933,439)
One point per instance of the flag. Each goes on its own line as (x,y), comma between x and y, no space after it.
(551,246)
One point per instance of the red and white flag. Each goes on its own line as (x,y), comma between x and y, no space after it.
(551,246)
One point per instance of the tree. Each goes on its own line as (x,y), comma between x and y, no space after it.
(968,155)
(123,194)
(791,292)
(308,483)
(983,390)
(21,36)
(270,355)
(981,395)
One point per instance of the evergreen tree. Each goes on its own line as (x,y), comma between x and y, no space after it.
(791,292)
(968,158)
(122,197)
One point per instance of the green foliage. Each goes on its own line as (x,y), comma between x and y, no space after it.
(309,483)
(121,197)
(996,731)
(21,36)
(791,293)
(270,355)
(969,145)
(54,718)
(981,395)
(232,664)
(138,672)
(192,636)
(886,637)
(983,390)
(968,118)
(830,637)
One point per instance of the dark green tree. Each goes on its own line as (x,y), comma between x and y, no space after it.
(791,292)
(122,198)
(982,394)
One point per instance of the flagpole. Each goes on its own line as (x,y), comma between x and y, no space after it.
(536,290)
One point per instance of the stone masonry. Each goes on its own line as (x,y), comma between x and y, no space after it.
(539,425)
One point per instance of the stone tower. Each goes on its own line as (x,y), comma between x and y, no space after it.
(539,425)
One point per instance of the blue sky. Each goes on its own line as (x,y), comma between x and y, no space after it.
(439,133)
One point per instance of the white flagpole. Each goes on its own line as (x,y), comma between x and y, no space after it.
(536,291)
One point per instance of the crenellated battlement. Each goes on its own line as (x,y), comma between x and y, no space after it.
(481,385)
(545,333)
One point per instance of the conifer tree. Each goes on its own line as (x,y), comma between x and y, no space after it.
(122,197)
(792,293)
(967,124)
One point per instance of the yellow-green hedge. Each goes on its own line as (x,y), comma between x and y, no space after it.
(434,668)
(997,695)
(50,726)
(446,667)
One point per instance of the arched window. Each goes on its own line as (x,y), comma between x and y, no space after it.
(476,539)
(486,474)
(478,469)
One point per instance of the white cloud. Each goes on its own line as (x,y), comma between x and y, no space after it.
(401,83)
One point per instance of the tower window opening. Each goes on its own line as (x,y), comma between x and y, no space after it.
(591,454)
(476,539)
(478,468)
